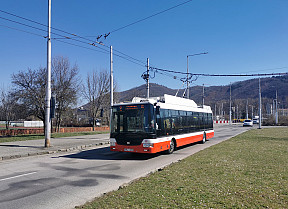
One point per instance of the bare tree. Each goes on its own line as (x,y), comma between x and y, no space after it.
(29,90)
(65,84)
(95,90)
(7,107)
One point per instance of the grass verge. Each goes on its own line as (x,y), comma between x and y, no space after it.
(53,135)
(247,171)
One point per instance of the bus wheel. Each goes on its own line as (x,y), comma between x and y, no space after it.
(204,138)
(172,147)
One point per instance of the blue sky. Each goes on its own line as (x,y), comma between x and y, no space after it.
(240,36)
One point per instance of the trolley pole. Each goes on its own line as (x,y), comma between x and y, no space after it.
(147,78)
(48,84)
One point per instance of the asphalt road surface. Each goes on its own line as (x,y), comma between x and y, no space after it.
(71,179)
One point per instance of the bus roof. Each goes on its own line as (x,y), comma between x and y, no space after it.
(170,102)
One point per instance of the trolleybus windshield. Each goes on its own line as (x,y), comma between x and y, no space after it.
(132,119)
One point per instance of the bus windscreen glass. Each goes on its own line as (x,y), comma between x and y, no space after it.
(132,119)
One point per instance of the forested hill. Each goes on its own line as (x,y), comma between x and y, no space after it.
(247,89)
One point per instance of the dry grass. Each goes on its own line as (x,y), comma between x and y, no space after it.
(247,171)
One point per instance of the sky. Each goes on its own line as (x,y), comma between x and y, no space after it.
(240,36)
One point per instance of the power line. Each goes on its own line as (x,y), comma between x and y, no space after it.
(128,58)
(81,46)
(240,75)
(221,75)
(23,31)
(72,34)
(23,18)
(141,20)
(153,15)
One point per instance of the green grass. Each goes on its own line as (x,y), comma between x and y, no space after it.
(247,171)
(53,135)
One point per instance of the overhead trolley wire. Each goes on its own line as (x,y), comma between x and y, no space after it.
(153,15)
(23,31)
(128,58)
(219,75)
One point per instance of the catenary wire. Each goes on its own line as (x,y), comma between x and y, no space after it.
(65,37)
(153,15)
(23,31)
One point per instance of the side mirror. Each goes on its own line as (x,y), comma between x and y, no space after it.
(157,110)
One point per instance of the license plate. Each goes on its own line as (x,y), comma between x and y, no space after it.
(128,150)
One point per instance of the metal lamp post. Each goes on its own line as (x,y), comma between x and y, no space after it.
(188,70)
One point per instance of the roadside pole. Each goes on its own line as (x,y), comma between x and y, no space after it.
(48,84)
(260,105)
(111,76)
(111,84)
(230,112)
(147,78)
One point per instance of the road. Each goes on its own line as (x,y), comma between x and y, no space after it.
(71,179)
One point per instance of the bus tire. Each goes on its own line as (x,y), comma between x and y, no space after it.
(204,138)
(172,147)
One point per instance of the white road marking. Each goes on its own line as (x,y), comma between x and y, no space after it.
(13,177)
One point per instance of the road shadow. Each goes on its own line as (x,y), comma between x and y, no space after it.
(15,145)
(105,154)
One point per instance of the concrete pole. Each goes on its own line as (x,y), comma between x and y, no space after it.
(215,112)
(48,84)
(147,78)
(247,110)
(237,113)
(187,79)
(203,96)
(260,106)
(222,112)
(276,109)
(230,112)
(111,77)
(111,84)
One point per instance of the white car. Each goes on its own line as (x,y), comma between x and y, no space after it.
(255,121)
(248,123)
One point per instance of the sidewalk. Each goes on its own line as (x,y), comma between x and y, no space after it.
(18,149)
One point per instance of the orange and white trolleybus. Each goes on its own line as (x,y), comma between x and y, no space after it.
(159,124)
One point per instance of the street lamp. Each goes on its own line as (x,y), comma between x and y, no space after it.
(188,70)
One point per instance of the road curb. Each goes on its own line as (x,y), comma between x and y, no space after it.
(45,152)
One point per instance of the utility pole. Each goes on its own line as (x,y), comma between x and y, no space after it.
(111,84)
(230,112)
(147,78)
(237,113)
(222,112)
(215,112)
(187,79)
(203,95)
(48,84)
(260,105)
(276,109)
(188,71)
(111,77)
(247,110)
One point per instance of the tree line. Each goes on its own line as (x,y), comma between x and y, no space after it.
(25,98)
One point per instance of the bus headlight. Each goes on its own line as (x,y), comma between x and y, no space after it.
(113,144)
(148,144)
